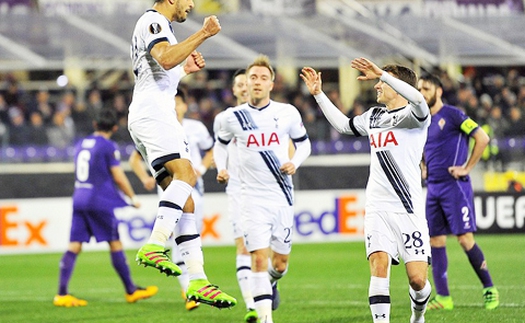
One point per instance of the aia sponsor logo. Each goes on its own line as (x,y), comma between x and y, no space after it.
(262,140)
(383,139)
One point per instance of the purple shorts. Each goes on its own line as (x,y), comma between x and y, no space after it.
(450,208)
(101,223)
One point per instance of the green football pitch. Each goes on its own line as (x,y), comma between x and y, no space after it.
(326,283)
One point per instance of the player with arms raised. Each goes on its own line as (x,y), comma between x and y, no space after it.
(395,223)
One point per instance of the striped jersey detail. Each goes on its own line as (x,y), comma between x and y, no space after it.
(396,178)
(283,180)
(245,119)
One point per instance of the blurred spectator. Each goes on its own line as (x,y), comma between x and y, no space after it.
(484,111)
(62,133)
(449,89)
(83,120)
(94,102)
(19,132)
(119,104)
(4,135)
(307,112)
(121,136)
(516,126)
(207,112)
(38,131)
(497,122)
(4,110)
(42,104)
(506,99)
(513,80)
(66,103)
(14,95)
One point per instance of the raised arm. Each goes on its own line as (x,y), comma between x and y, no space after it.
(169,56)
(371,72)
(418,104)
(337,119)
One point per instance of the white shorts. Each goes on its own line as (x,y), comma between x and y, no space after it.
(401,235)
(268,226)
(160,138)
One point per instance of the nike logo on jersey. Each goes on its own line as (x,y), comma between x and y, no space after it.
(381,139)
(262,140)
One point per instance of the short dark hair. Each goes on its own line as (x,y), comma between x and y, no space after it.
(432,78)
(105,120)
(403,73)
(240,71)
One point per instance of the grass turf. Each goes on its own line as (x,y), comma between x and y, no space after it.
(326,283)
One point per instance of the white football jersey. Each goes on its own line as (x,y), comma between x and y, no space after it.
(262,137)
(234,184)
(199,140)
(396,141)
(155,87)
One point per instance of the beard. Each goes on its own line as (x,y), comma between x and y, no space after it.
(432,100)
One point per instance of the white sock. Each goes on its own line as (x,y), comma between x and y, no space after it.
(419,300)
(190,246)
(176,258)
(379,299)
(262,295)
(172,200)
(244,276)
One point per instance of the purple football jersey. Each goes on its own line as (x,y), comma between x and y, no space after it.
(447,143)
(94,184)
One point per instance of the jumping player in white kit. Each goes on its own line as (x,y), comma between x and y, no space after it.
(157,57)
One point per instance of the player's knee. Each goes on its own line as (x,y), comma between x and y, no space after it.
(281,266)
(417,282)
(189,206)
(466,241)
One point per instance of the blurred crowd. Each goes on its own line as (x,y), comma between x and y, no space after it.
(495,98)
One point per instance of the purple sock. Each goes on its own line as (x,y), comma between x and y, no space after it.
(67,264)
(477,260)
(439,270)
(120,264)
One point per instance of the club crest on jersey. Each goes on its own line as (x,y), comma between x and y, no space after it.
(441,123)
(155,28)
(381,139)
(276,122)
(395,120)
(262,140)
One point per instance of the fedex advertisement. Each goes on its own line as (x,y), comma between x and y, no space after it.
(43,224)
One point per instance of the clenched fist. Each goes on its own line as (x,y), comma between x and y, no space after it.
(211,26)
